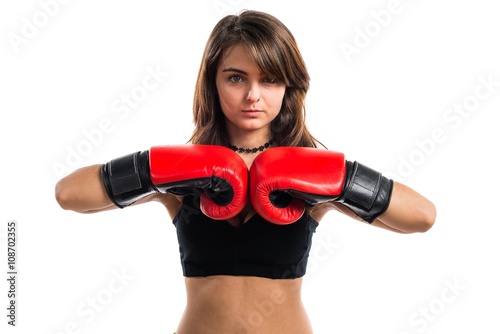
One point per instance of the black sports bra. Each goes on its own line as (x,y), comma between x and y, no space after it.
(257,248)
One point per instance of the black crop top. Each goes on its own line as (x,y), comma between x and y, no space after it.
(257,248)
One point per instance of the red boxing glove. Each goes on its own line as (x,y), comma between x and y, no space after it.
(281,177)
(284,179)
(218,173)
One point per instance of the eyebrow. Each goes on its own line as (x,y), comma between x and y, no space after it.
(232,69)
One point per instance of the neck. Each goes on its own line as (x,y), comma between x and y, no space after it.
(248,138)
(252,149)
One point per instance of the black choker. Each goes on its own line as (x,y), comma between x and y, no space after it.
(251,150)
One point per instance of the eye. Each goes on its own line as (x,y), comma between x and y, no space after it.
(270,80)
(235,78)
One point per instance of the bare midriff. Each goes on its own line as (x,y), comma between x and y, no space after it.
(243,305)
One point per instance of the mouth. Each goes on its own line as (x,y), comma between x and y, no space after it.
(252,112)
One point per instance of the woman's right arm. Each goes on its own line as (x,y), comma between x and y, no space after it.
(128,180)
(83,191)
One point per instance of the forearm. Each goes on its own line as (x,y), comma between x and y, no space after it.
(408,211)
(83,191)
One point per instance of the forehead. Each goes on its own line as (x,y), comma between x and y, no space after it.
(238,56)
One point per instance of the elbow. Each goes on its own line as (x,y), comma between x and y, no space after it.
(426,218)
(63,196)
(66,197)
(419,220)
(82,191)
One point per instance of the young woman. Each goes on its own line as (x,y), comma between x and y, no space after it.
(249,96)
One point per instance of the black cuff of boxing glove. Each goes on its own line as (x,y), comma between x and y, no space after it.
(366,192)
(127,179)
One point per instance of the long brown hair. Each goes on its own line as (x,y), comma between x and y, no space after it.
(274,49)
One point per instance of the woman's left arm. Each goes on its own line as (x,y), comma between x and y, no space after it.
(408,211)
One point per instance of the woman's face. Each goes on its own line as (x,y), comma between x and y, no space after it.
(250,100)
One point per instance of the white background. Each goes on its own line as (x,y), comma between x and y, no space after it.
(389,105)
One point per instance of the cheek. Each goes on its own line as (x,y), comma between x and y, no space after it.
(228,97)
(276,100)
(224,99)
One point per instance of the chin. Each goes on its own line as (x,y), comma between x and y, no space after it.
(251,126)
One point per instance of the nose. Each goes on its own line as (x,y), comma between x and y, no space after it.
(253,93)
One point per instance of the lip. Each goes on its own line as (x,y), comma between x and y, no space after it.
(252,112)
